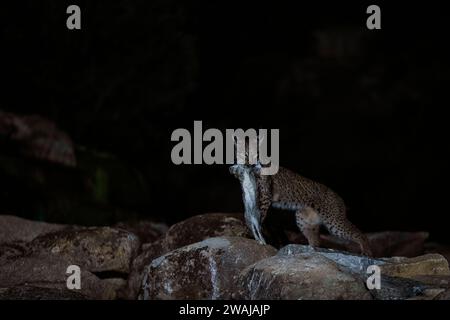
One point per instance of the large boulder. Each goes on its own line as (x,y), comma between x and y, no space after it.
(50,271)
(402,267)
(401,278)
(97,249)
(201,227)
(189,231)
(431,264)
(38,254)
(103,254)
(204,270)
(301,276)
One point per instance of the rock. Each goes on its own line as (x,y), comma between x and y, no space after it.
(97,249)
(104,255)
(204,270)
(445,295)
(18,229)
(301,276)
(433,247)
(397,243)
(429,294)
(401,278)
(180,235)
(383,244)
(392,288)
(49,271)
(147,231)
(432,287)
(149,252)
(39,293)
(38,137)
(434,280)
(412,268)
(354,263)
(10,250)
(205,226)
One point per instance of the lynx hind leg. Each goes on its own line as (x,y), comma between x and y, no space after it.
(341,227)
(308,221)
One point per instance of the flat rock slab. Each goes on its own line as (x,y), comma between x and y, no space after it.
(205,270)
(355,263)
(411,268)
(303,276)
(401,278)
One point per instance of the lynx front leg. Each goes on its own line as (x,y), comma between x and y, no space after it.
(263,202)
(308,222)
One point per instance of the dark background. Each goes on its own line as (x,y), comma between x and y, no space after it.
(361,111)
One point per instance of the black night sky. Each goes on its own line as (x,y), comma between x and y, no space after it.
(362,111)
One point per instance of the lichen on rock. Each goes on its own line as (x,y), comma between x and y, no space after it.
(204,270)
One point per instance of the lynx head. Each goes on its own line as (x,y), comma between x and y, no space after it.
(246,152)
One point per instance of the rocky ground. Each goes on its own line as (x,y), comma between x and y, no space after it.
(210,256)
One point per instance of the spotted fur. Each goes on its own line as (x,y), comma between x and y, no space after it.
(313,203)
